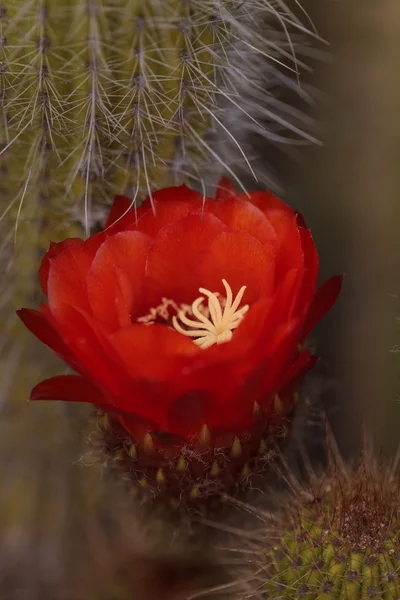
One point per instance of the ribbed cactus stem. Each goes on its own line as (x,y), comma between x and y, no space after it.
(102,98)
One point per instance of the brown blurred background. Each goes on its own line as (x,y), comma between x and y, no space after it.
(349,191)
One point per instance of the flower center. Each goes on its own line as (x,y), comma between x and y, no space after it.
(217,327)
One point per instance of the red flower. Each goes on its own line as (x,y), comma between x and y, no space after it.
(124,311)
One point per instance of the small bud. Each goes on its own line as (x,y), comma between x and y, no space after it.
(236,450)
(195,492)
(277,404)
(143,483)
(132,452)
(263,446)
(181,465)
(148,444)
(246,470)
(204,438)
(160,477)
(215,470)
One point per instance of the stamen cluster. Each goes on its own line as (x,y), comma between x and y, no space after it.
(216,329)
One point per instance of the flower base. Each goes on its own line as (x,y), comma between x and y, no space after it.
(196,476)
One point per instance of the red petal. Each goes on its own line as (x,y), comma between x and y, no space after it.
(39,325)
(153,351)
(121,216)
(125,299)
(225,189)
(146,399)
(167,211)
(151,216)
(53,251)
(137,427)
(275,360)
(266,315)
(323,300)
(181,193)
(241,260)
(299,369)
(190,412)
(243,216)
(86,342)
(270,205)
(173,260)
(311,265)
(107,287)
(68,273)
(68,387)
(284,221)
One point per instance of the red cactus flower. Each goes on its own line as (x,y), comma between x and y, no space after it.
(184,326)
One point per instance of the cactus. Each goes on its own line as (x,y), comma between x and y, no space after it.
(100,98)
(337,538)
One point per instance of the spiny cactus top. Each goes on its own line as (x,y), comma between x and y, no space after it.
(185,327)
(335,537)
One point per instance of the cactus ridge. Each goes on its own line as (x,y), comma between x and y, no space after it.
(100,97)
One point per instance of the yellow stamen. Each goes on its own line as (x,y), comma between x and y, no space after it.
(218,327)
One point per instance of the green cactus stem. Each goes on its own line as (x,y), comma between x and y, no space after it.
(99,98)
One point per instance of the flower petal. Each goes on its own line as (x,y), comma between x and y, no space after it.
(189,412)
(136,426)
(53,251)
(169,207)
(115,278)
(68,272)
(311,266)
(323,300)
(241,260)
(152,351)
(266,315)
(243,216)
(225,189)
(181,193)
(151,216)
(285,223)
(39,325)
(174,258)
(89,351)
(305,362)
(275,361)
(71,388)
(122,215)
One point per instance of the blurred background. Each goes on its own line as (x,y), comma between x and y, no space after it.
(60,521)
(349,191)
